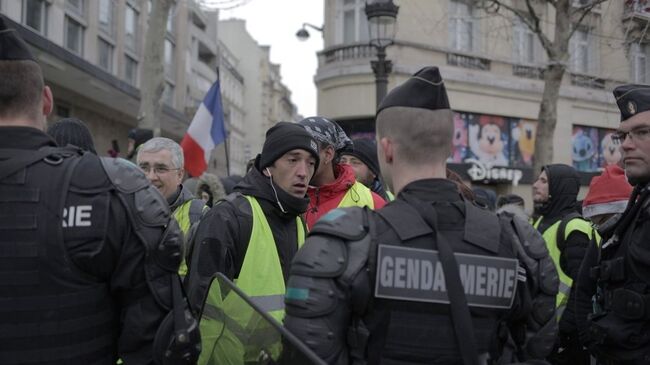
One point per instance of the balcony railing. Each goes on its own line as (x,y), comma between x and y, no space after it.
(473,62)
(530,72)
(637,8)
(348,52)
(587,81)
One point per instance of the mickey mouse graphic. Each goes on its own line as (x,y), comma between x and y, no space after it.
(486,141)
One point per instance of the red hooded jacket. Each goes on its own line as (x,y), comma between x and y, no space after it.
(324,198)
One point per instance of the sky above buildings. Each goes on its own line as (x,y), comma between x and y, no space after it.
(275,23)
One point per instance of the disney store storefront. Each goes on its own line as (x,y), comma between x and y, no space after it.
(498,151)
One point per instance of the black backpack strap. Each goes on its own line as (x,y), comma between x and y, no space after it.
(196,210)
(560,238)
(460,315)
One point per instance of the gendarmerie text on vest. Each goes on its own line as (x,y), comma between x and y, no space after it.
(417,275)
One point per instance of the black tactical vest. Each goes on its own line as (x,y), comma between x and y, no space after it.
(50,312)
(621,322)
(407,329)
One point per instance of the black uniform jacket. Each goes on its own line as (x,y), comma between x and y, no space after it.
(104,247)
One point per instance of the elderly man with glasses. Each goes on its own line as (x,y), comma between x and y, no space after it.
(613,285)
(161,159)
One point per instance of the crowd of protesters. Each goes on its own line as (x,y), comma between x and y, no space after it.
(109,259)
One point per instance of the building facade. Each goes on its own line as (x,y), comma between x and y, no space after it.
(266,99)
(91,52)
(492,66)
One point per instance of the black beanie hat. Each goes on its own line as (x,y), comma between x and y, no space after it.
(72,131)
(632,99)
(140,135)
(365,150)
(425,89)
(12,46)
(284,137)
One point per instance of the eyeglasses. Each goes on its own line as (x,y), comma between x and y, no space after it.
(636,135)
(158,170)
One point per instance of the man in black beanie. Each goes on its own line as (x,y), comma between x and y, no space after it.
(137,137)
(253,234)
(363,159)
(72,131)
(89,276)
(386,286)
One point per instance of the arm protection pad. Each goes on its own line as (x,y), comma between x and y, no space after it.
(542,286)
(321,297)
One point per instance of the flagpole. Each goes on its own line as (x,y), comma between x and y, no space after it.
(225,141)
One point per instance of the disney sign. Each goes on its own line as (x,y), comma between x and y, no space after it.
(481,172)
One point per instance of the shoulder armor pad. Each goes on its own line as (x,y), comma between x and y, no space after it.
(88,174)
(481,228)
(151,207)
(346,223)
(124,175)
(531,240)
(320,256)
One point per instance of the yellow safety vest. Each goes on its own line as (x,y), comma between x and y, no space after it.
(229,329)
(390,196)
(182,216)
(550,237)
(358,195)
(261,274)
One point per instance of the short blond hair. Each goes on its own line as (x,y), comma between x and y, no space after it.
(423,136)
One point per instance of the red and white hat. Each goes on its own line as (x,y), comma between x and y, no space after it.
(608,193)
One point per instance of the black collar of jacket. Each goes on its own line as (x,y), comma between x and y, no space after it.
(27,138)
(481,227)
(181,195)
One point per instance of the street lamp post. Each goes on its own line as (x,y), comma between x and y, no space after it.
(382,16)
(303,34)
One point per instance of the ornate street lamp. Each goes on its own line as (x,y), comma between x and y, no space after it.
(303,34)
(382,16)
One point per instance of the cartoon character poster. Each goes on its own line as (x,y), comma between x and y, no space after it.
(459,142)
(488,139)
(584,148)
(610,152)
(523,133)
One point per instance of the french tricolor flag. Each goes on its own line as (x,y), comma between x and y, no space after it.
(205,132)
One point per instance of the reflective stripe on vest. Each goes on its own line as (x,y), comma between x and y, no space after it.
(390,196)
(261,276)
(182,217)
(358,195)
(550,237)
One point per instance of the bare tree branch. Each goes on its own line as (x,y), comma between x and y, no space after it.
(586,8)
(546,43)
(222,4)
(531,20)
(583,11)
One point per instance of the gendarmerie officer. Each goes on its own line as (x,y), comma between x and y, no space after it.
(88,260)
(430,278)
(613,288)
